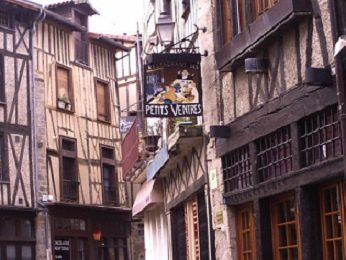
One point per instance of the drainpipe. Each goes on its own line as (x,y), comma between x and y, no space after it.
(40,17)
(340,78)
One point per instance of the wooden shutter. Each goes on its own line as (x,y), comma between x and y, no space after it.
(63,82)
(227,26)
(102,98)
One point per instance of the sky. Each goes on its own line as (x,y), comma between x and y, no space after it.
(116,16)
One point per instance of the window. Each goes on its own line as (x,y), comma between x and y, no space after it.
(237,14)
(103,101)
(17,239)
(274,154)
(246,233)
(5,18)
(332,221)
(64,88)
(284,228)
(81,39)
(109,176)
(237,170)
(4,176)
(320,136)
(68,169)
(2,78)
(113,248)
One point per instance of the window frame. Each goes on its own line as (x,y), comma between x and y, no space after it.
(239,231)
(10,13)
(71,155)
(340,200)
(274,224)
(107,100)
(112,163)
(4,170)
(2,79)
(70,88)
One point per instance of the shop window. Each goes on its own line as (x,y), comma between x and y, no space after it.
(64,88)
(109,176)
(246,233)
(17,240)
(274,154)
(285,228)
(332,221)
(103,101)
(320,136)
(69,169)
(237,170)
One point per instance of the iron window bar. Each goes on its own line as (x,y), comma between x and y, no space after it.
(237,170)
(320,136)
(274,154)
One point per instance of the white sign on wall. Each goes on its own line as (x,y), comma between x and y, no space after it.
(213,179)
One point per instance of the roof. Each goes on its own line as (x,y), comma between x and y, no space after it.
(25,4)
(83,5)
(108,40)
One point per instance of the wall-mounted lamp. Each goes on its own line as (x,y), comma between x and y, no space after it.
(97,234)
(164,29)
(256,65)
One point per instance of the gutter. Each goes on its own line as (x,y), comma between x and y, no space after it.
(40,17)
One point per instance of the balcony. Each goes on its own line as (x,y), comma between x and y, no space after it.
(70,190)
(258,33)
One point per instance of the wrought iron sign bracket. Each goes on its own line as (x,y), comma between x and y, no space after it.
(188,40)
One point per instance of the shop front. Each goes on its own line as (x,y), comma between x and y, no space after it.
(87,233)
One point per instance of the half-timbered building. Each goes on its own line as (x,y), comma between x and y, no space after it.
(276,161)
(87,216)
(17,181)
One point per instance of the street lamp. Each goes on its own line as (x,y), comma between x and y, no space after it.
(164,29)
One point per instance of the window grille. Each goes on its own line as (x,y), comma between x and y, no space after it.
(320,136)
(274,154)
(236,166)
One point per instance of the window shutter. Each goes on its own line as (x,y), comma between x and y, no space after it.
(227,26)
(102,101)
(2,78)
(63,82)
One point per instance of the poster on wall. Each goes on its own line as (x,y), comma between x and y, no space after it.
(62,249)
(173,87)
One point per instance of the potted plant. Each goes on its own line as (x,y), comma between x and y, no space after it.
(68,105)
(63,101)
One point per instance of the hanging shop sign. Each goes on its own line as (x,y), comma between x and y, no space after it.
(173,85)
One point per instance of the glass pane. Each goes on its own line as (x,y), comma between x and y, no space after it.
(283,254)
(8,228)
(294,254)
(292,234)
(330,250)
(81,249)
(26,228)
(329,226)
(338,249)
(10,252)
(27,253)
(291,209)
(281,213)
(282,236)
(337,225)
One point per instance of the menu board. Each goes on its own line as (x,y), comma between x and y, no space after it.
(62,249)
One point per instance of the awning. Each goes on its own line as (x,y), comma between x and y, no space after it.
(159,161)
(149,194)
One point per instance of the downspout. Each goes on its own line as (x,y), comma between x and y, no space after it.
(340,79)
(40,17)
